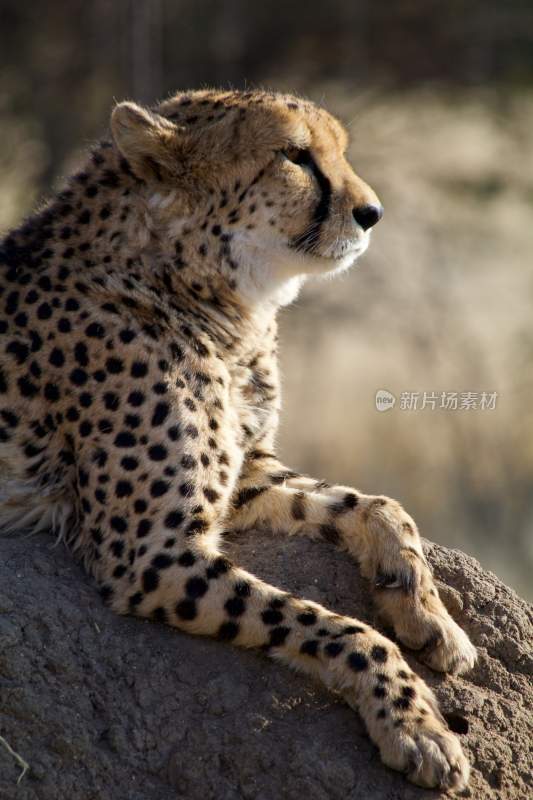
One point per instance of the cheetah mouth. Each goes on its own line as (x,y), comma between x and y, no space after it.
(340,254)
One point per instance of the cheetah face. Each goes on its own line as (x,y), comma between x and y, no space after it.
(268,172)
(325,210)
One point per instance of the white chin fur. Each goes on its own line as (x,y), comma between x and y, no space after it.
(277,274)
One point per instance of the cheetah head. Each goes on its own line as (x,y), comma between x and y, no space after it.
(258,181)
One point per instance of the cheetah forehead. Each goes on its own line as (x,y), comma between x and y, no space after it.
(195,134)
(283,114)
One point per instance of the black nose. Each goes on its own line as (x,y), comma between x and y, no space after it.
(367,216)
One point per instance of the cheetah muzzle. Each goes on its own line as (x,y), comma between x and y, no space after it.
(139,397)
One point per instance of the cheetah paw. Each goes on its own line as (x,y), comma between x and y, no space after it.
(449,649)
(427,752)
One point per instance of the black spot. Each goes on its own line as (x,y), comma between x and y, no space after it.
(86,399)
(159,488)
(136,399)
(310,647)
(44,311)
(150,580)
(19,350)
(143,528)
(186,609)
(78,377)
(330,533)
(298,506)
(118,524)
(86,428)
(350,500)
(114,365)
(278,635)
(380,691)
(333,649)
(119,571)
(220,566)
(248,494)
(307,618)
(81,355)
(157,452)
(26,387)
(228,631)
(350,630)
(136,600)
(159,614)
(187,489)
(196,526)
(192,431)
(95,330)
(139,369)
(161,412)
(235,606)
(403,703)
(9,418)
(196,587)
(123,489)
(242,589)
(174,519)
(379,654)
(127,335)
(51,392)
(117,548)
(140,506)
(125,439)
(186,559)
(174,433)
(162,561)
(271,616)
(357,661)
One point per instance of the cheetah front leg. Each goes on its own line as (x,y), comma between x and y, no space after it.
(199,591)
(379,534)
(155,555)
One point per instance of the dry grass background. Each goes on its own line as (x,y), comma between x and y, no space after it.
(441,302)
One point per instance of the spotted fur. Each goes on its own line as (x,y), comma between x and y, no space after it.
(139,397)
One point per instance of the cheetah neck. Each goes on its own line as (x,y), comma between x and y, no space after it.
(107,229)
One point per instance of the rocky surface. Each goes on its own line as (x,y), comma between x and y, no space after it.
(109,708)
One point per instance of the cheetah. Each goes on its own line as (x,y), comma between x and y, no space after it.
(139,398)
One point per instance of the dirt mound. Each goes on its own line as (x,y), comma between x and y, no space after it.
(110,708)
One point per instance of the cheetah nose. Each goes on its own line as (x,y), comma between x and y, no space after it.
(368,216)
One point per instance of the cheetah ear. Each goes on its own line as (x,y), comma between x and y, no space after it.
(144,139)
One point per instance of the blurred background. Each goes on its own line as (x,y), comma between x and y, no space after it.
(438,98)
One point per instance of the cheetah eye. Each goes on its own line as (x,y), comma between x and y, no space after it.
(302,158)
